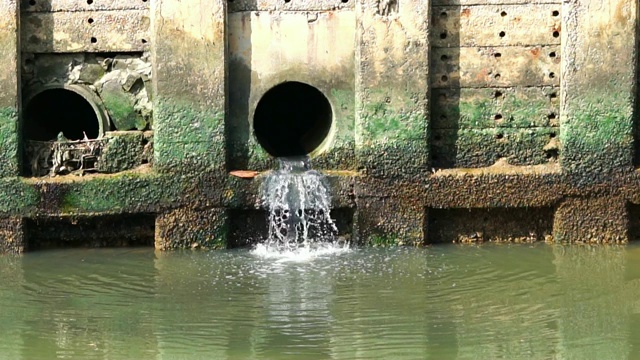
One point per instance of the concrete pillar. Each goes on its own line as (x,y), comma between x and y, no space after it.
(9,88)
(598,81)
(188,54)
(598,219)
(389,221)
(392,71)
(190,229)
(11,235)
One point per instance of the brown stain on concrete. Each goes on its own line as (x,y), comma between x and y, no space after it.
(535,52)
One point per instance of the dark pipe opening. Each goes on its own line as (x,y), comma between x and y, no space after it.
(292,119)
(59,110)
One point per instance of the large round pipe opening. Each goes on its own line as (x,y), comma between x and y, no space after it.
(60,110)
(292,119)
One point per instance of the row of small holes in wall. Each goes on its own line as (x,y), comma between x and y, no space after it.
(94,40)
(89,2)
(498,117)
(499,136)
(497,76)
(501,34)
(553,97)
(497,55)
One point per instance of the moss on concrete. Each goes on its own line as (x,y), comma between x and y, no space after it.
(597,135)
(187,139)
(477,109)
(382,123)
(470,148)
(384,240)
(185,228)
(123,151)
(9,154)
(120,106)
(16,197)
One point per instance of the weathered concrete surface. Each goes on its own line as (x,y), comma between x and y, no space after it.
(495,225)
(268,49)
(489,24)
(75,5)
(9,88)
(383,221)
(444,127)
(190,85)
(289,6)
(123,150)
(86,31)
(608,220)
(392,62)
(185,228)
(597,92)
(488,61)
(12,235)
(474,67)
(122,83)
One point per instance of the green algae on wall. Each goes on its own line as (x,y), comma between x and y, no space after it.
(120,106)
(598,134)
(9,154)
(123,150)
(473,148)
(16,197)
(187,139)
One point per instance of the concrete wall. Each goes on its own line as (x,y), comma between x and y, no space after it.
(452,120)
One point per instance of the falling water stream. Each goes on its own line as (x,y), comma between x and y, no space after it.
(299,205)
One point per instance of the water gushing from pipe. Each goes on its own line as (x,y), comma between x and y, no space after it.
(299,205)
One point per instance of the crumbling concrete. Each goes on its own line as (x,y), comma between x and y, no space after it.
(452,120)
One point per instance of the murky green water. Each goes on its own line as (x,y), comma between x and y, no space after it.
(443,302)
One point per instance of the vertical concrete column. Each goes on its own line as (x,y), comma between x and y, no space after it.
(598,82)
(191,229)
(9,88)
(598,219)
(389,221)
(391,87)
(188,54)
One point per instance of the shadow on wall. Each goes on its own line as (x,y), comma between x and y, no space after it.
(237,122)
(636,115)
(496,225)
(445,80)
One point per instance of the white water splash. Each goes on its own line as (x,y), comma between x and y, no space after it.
(301,254)
(299,205)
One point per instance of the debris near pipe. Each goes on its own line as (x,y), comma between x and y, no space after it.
(63,156)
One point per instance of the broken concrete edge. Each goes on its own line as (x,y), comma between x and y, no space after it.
(116,151)
(118,87)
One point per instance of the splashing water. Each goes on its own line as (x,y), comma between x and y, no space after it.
(300,225)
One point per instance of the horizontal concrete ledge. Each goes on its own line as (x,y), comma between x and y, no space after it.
(146,191)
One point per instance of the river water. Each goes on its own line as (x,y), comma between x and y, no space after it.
(442,302)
